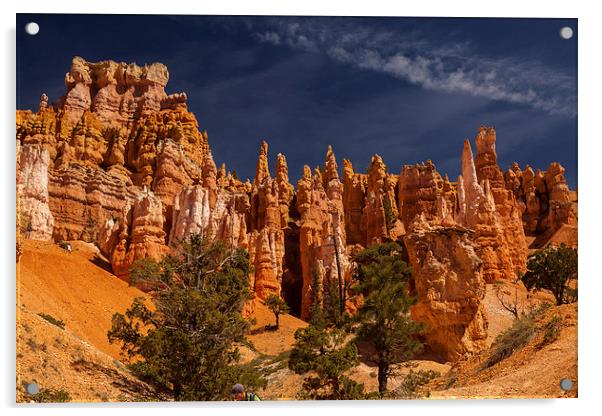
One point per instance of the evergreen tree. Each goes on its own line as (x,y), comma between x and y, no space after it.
(553,268)
(185,345)
(278,306)
(327,353)
(332,306)
(383,318)
(389,214)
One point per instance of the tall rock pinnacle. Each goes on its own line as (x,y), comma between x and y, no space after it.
(262,171)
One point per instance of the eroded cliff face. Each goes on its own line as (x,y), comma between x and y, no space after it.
(422,190)
(322,238)
(120,163)
(447,275)
(506,204)
(544,198)
(479,214)
(145,238)
(112,135)
(354,196)
(35,217)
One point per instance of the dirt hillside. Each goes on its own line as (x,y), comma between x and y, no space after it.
(534,371)
(57,360)
(75,287)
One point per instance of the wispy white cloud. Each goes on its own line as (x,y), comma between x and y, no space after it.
(451,67)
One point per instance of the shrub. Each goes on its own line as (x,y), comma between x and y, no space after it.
(552,330)
(517,336)
(64,245)
(451,381)
(51,396)
(552,269)
(52,320)
(413,381)
(34,346)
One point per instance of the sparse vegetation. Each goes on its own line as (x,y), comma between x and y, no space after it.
(510,303)
(186,346)
(517,336)
(103,397)
(553,268)
(89,228)
(389,214)
(451,380)
(34,346)
(383,318)
(25,225)
(552,330)
(278,307)
(413,381)
(51,396)
(52,320)
(523,329)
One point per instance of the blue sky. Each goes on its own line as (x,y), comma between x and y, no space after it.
(409,89)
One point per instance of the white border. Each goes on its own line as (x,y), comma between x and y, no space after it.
(590,96)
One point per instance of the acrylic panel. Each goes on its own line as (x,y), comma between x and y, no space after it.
(267,208)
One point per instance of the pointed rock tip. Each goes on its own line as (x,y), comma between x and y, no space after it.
(306,171)
(264,147)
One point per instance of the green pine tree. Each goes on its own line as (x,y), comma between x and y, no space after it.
(185,345)
(553,268)
(278,307)
(327,354)
(383,318)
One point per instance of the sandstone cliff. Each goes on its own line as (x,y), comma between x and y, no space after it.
(450,288)
(544,198)
(324,261)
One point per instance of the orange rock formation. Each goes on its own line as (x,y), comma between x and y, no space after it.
(450,288)
(119,163)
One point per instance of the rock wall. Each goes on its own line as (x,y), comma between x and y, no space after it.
(142,236)
(506,204)
(450,288)
(193,214)
(544,198)
(112,135)
(322,236)
(35,217)
(266,242)
(422,190)
(479,214)
(354,196)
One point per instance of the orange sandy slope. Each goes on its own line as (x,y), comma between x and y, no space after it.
(73,287)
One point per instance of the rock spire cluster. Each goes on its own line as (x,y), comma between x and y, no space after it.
(120,163)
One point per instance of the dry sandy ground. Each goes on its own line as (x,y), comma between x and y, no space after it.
(56,359)
(273,342)
(75,287)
